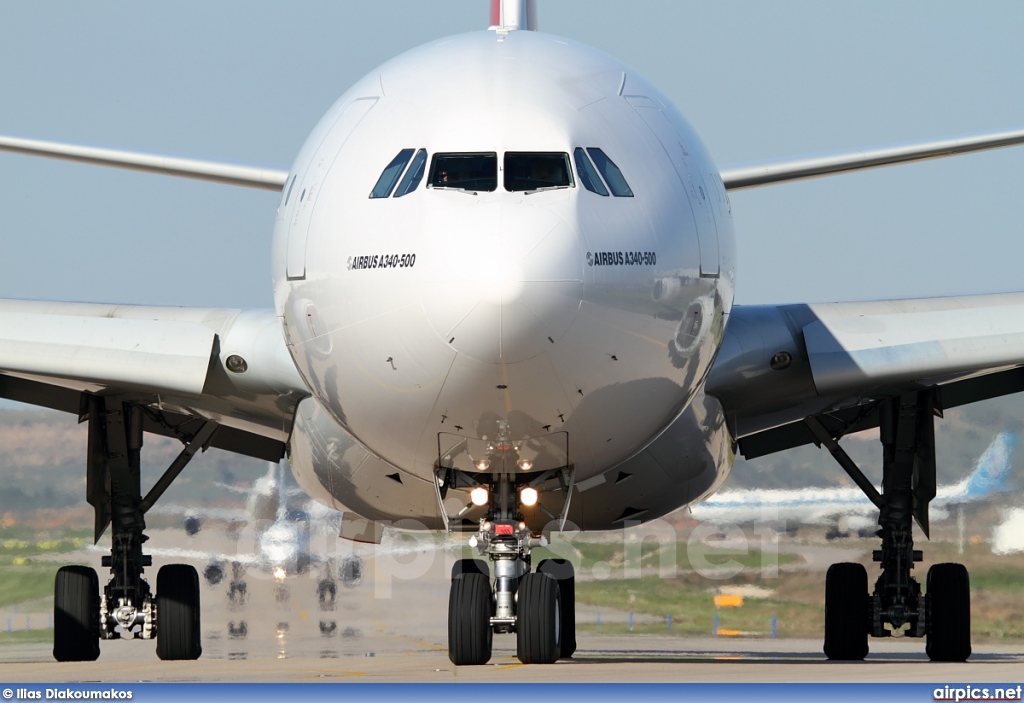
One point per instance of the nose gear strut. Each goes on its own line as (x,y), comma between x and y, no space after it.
(539,605)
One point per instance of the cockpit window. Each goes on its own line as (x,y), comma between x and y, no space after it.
(588,174)
(470,172)
(387,180)
(414,175)
(533,171)
(612,175)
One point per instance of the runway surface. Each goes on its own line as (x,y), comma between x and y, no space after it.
(388,657)
(392,627)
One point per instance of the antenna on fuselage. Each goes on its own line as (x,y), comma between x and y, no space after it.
(514,14)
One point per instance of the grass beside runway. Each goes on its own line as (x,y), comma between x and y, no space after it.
(25,583)
(23,637)
(794,598)
(619,559)
(23,576)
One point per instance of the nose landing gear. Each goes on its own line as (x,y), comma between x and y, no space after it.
(538,606)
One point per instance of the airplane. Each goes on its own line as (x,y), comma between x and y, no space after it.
(503,274)
(831,506)
(1007,535)
(280,534)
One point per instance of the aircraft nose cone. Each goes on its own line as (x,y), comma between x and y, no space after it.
(507,285)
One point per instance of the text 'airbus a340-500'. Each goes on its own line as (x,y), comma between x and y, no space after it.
(540,332)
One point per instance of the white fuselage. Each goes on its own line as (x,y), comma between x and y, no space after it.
(581,325)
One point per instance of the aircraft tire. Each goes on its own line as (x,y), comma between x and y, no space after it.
(213,573)
(177,607)
(76,609)
(846,612)
(538,620)
(469,620)
(949,613)
(351,571)
(470,566)
(327,594)
(562,571)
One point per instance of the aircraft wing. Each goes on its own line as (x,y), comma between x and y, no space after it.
(174,362)
(787,374)
(734,177)
(264,177)
(804,167)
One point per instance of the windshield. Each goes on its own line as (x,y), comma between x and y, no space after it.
(588,174)
(529,171)
(413,176)
(472,172)
(389,177)
(611,173)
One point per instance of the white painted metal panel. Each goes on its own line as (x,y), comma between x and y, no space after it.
(156,355)
(689,175)
(308,186)
(864,345)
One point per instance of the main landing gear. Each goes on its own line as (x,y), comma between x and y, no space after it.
(538,606)
(896,606)
(126,607)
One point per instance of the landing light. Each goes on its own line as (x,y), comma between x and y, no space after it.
(483,464)
(528,496)
(479,495)
(525,464)
(237,364)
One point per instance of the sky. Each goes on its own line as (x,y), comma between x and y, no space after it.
(247,81)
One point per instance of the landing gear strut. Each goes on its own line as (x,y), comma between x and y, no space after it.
(897,605)
(538,606)
(126,607)
(507,597)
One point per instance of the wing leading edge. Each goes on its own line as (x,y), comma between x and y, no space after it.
(736,177)
(171,361)
(780,365)
(764,173)
(265,178)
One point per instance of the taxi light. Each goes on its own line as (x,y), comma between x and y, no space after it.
(483,464)
(525,464)
(479,495)
(528,496)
